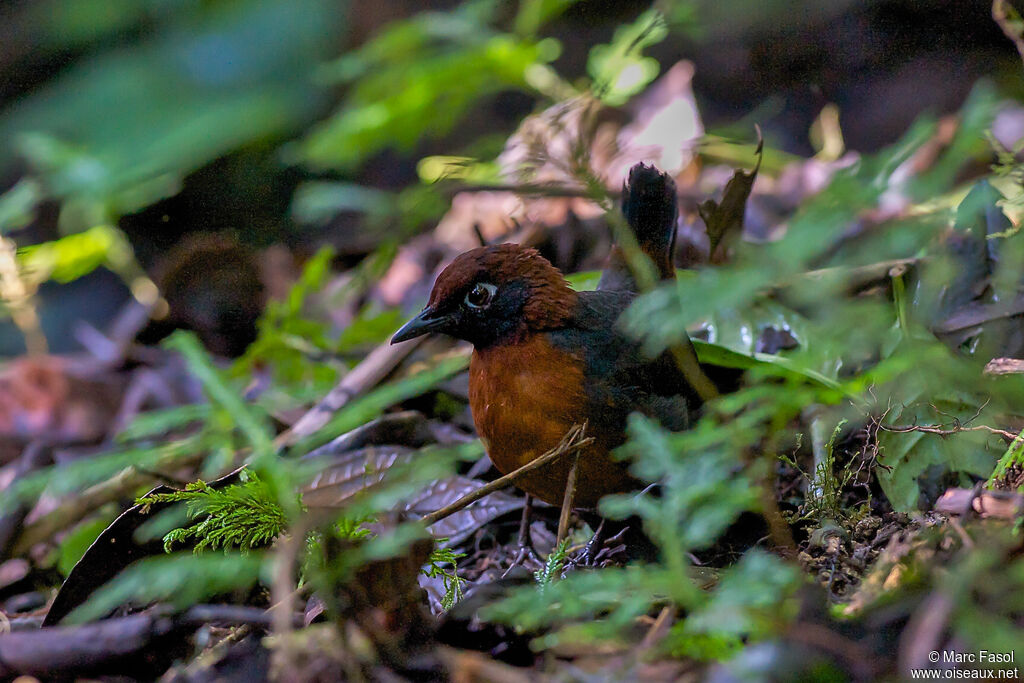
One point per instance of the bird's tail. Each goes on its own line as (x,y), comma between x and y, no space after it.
(649,205)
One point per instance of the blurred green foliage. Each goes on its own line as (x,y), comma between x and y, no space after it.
(416,80)
(619,69)
(121,127)
(181,580)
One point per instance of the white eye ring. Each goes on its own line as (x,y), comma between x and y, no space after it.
(481,294)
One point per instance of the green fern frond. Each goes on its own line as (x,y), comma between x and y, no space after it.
(241,516)
(552,568)
(449,577)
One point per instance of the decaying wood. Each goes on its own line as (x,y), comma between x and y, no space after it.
(995,504)
(123,646)
(1004,366)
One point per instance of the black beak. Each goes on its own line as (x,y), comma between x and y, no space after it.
(426,322)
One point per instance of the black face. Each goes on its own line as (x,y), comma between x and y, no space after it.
(482,313)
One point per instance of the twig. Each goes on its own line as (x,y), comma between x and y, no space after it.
(659,629)
(956,429)
(134,645)
(964,537)
(570,494)
(686,358)
(571,442)
(479,234)
(924,632)
(778,530)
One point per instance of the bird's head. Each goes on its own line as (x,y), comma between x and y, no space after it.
(494,294)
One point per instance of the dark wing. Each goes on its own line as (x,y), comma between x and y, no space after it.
(619,378)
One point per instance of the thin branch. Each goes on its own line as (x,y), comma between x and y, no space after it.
(942,431)
(528,189)
(572,442)
(570,494)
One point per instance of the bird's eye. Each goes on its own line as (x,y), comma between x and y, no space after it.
(480,295)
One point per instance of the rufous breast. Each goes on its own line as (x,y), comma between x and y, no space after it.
(525,396)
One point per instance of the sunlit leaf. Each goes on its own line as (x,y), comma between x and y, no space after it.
(619,69)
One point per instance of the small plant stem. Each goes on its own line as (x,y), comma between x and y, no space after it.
(778,529)
(283,593)
(817,483)
(570,494)
(570,443)
(1014,455)
(18,295)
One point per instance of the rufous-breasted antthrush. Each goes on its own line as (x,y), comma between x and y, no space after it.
(547,357)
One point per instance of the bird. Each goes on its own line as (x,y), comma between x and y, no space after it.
(546,357)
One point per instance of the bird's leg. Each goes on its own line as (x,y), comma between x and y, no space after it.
(524,522)
(524,536)
(572,441)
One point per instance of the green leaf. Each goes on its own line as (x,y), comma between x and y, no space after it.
(74,545)
(159,422)
(182,580)
(18,204)
(750,600)
(906,456)
(71,257)
(291,336)
(253,425)
(119,129)
(237,517)
(715,354)
(534,14)
(618,69)
(415,82)
(317,202)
